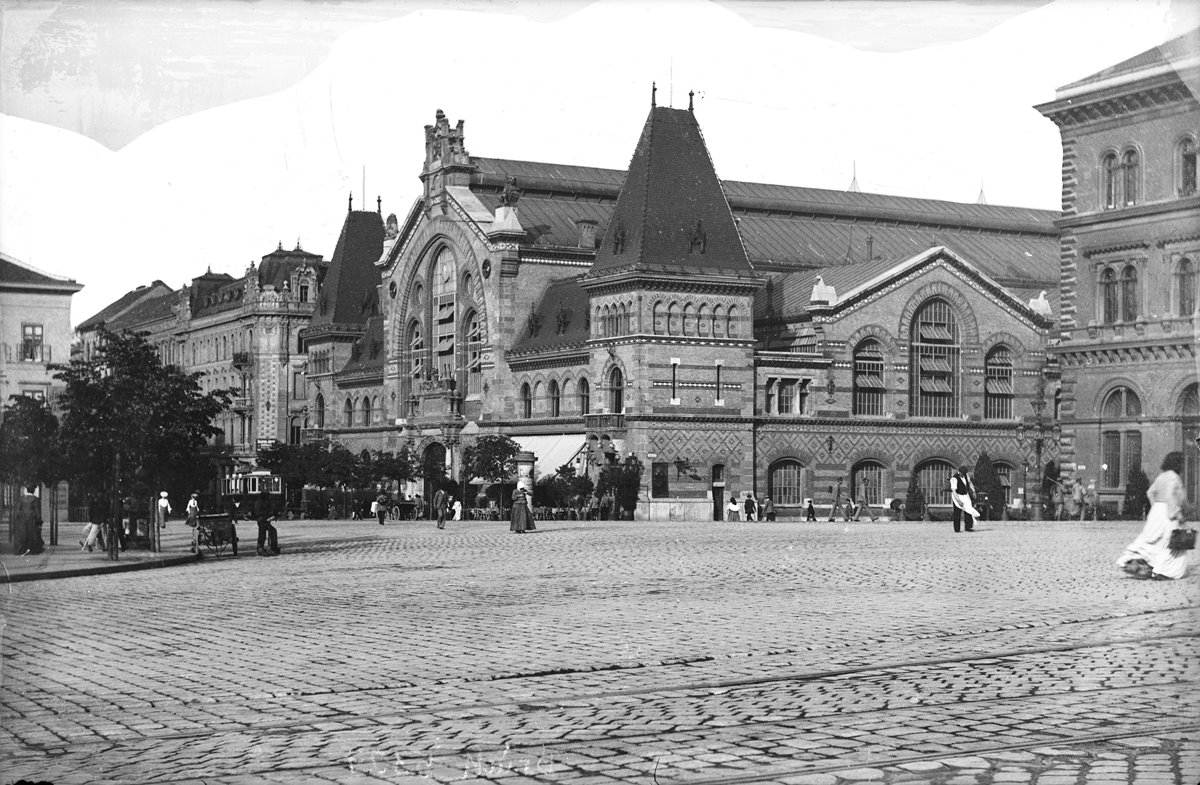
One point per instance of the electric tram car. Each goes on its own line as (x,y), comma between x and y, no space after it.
(249,484)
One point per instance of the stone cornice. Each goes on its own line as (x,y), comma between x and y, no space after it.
(1185,204)
(1120,101)
(1088,253)
(534,361)
(637,278)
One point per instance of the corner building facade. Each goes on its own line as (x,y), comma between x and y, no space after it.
(736,337)
(1130,250)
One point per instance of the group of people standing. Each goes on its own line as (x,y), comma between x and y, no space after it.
(750,508)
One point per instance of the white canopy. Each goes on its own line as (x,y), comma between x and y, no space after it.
(552,450)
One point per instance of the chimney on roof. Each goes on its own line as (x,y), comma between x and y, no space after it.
(587,233)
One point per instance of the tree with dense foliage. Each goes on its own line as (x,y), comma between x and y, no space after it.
(988,488)
(625,481)
(29,453)
(398,467)
(297,465)
(129,422)
(492,458)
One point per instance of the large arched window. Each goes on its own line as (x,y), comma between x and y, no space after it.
(1185,288)
(526,401)
(616,391)
(585,397)
(934,361)
(998,384)
(1110,296)
(366,410)
(933,478)
(867,482)
(320,410)
(348,414)
(1110,174)
(555,399)
(1132,176)
(785,482)
(445,288)
(474,357)
(868,378)
(1120,436)
(1129,293)
(660,319)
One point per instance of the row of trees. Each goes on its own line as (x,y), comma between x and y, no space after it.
(129,426)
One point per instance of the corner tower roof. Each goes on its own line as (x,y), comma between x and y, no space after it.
(672,215)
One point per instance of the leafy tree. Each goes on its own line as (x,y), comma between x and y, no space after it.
(29,443)
(297,465)
(398,467)
(1136,504)
(625,481)
(492,458)
(914,500)
(987,485)
(130,422)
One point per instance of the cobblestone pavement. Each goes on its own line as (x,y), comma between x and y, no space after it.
(592,653)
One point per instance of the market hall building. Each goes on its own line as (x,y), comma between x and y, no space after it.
(736,337)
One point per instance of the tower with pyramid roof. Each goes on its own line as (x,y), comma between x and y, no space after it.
(671,295)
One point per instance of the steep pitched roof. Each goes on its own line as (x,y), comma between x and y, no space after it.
(367,357)
(1173,52)
(351,284)
(794,226)
(559,321)
(672,214)
(13,272)
(124,304)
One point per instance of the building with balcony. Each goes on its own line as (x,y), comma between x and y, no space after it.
(241,334)
(736,337)
(1129,254)
(35,332)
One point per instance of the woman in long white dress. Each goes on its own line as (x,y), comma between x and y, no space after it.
(1149,556)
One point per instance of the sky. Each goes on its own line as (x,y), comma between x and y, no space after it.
(156,140)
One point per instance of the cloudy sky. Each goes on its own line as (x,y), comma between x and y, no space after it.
(158,139)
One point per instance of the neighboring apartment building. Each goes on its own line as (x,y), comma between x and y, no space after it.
(737,337)
(242,334)
(1130,251)
(35,331)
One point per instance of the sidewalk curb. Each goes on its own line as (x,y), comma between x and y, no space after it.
(147,564)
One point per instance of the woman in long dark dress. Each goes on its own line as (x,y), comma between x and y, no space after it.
(522,521)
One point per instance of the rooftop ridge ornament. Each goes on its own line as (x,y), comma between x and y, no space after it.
(690,94)
(653,91)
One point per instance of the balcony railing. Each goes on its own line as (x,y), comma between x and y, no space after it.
(308,435)
(240,402)
(604,422)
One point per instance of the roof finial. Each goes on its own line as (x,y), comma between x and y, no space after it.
(350,203)
(653,91)
(690,94)
(379,204)
(298,248)
(854,180)
(981,199)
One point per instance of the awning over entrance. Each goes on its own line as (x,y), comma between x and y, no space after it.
(553,450)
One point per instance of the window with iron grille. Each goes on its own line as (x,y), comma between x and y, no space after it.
(998,384)
(1004,477)
(868,378)
(785,481)
(866,483)
(933,478)
(934,356)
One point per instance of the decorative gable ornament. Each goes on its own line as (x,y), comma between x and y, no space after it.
(823,293)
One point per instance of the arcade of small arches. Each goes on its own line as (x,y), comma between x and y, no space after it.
(688,319)
(790,482)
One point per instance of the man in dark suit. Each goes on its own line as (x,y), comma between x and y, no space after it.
(264,513)
(439,507)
